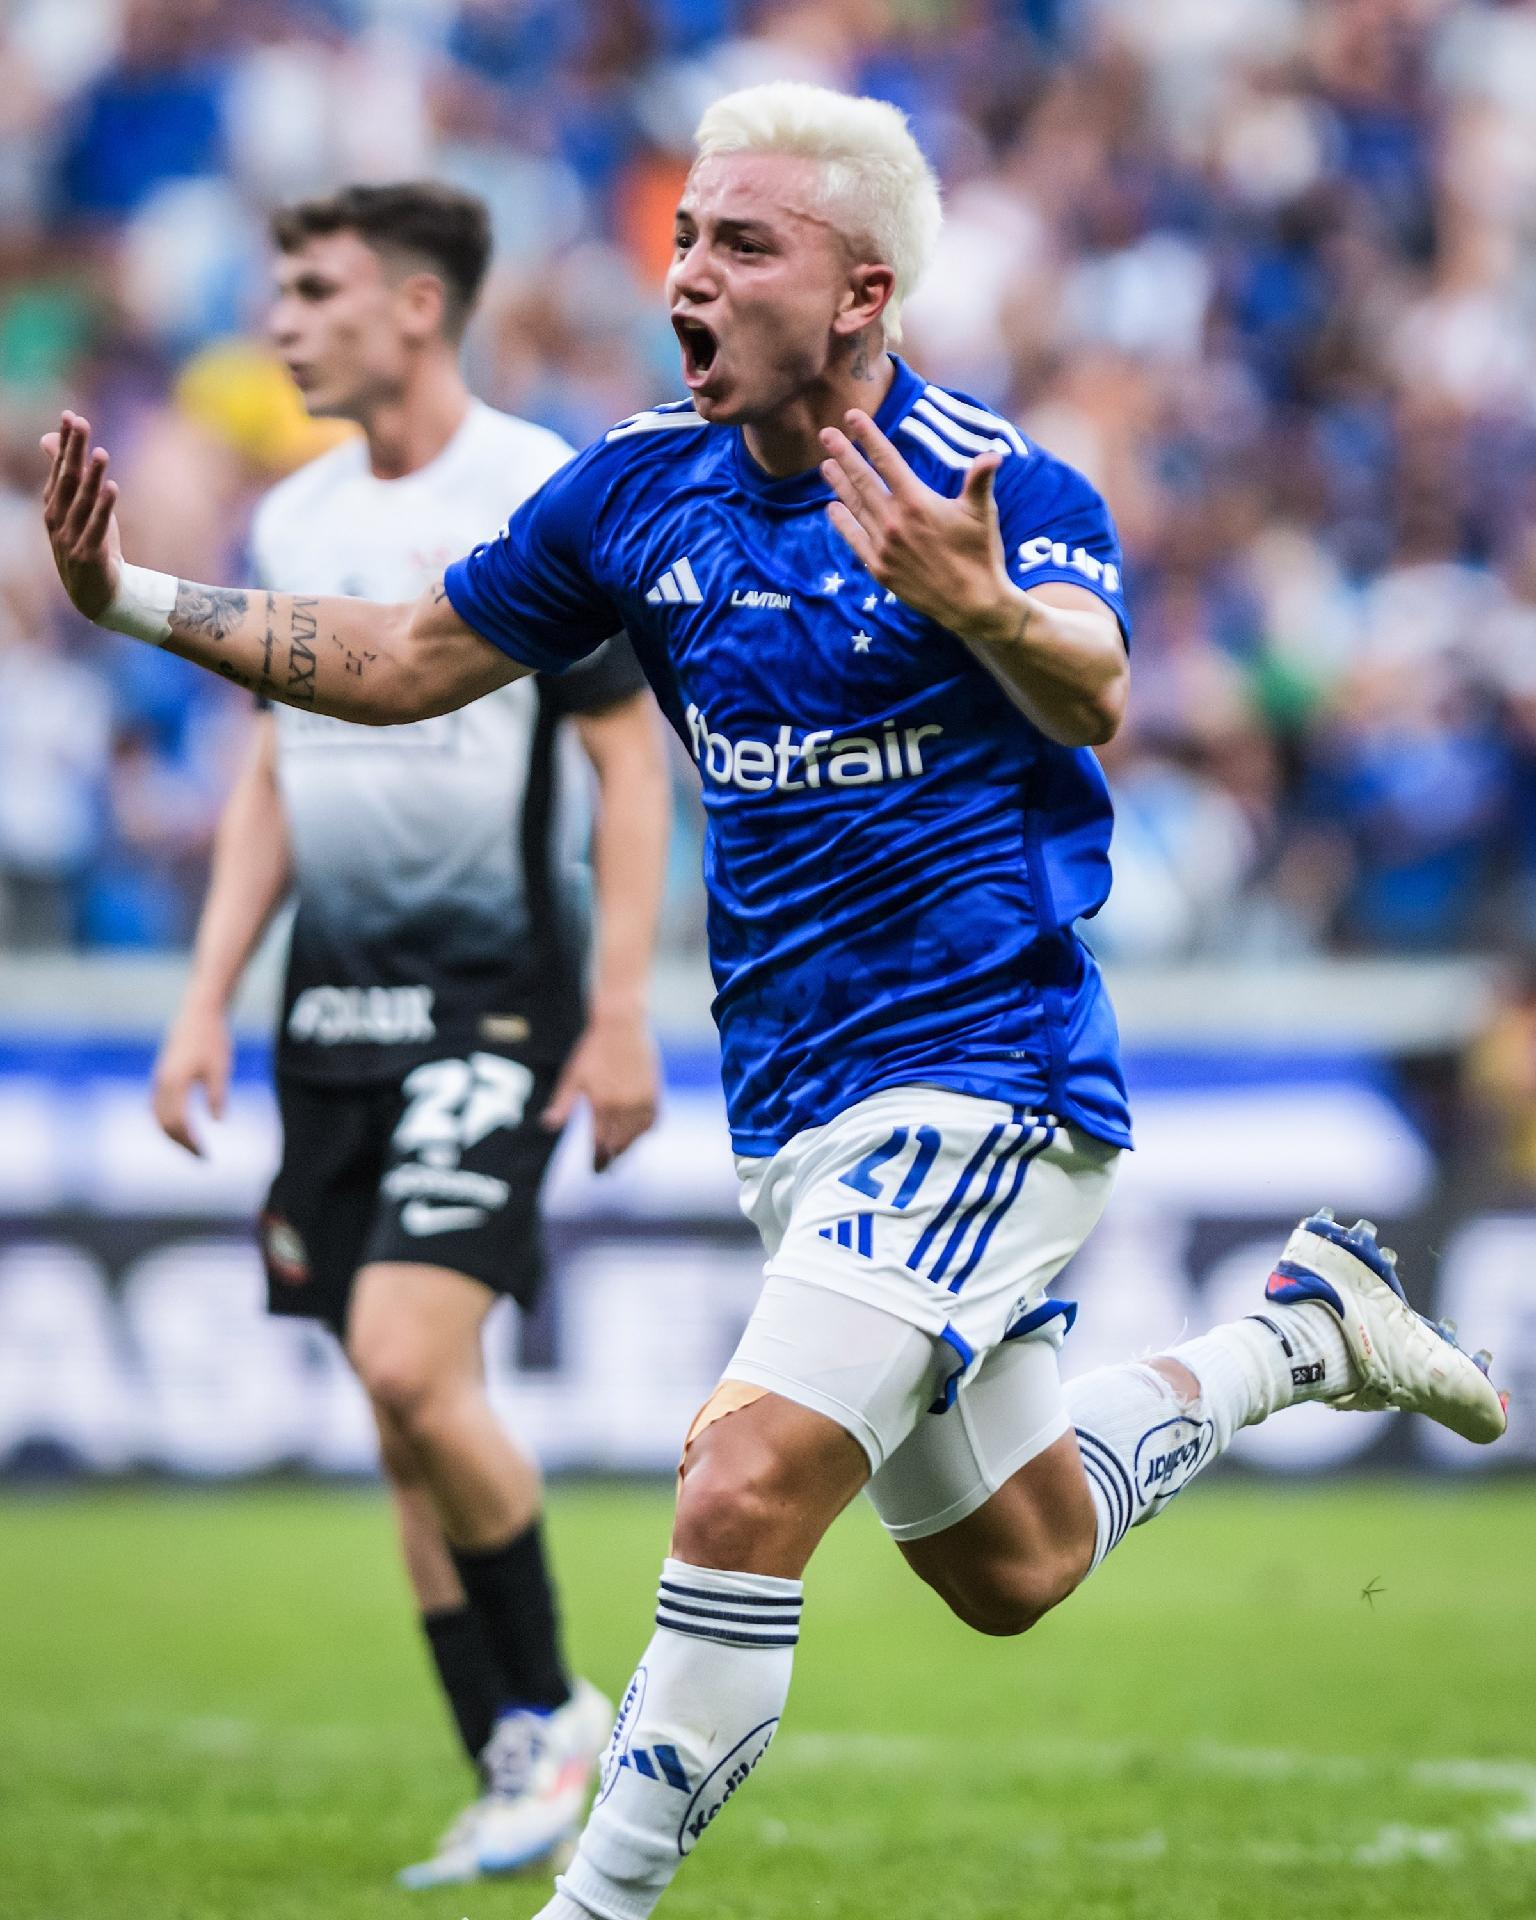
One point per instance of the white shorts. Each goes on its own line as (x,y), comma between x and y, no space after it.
(911,1245)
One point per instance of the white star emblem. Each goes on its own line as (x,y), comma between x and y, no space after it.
(861,641)
(831,582)
(890,599)
(871,601)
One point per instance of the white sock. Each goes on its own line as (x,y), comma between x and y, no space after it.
(1139,1444)
(697,1717)
(1142,1443)
(1305,1357)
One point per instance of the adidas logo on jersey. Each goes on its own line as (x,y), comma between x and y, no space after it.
(815,759)
(676,585)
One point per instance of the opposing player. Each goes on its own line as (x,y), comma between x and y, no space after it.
(433,1037)
(889,629)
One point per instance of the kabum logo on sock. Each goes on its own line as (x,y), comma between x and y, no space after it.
(718,1786)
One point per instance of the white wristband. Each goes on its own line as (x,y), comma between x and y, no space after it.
(142,605)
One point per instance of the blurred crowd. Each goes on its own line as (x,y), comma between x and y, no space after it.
(1266,270)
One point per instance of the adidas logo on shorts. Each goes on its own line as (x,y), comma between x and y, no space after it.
(856,1233)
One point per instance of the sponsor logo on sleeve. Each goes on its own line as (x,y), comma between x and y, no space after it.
(1043,551)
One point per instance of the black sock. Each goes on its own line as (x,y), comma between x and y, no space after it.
(469,1671)
(509,1588)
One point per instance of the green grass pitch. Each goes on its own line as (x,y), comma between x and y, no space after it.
(213,1706)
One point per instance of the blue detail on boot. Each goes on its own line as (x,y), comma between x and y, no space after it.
(1291,1282)
(1290,1285)
(1361,1242)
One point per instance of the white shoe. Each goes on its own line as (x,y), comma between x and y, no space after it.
(540,1767)
(457,1857)
(537,1767)
(1403,1360)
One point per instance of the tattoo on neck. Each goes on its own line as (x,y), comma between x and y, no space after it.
(207,613)
(302,626)
(859,366)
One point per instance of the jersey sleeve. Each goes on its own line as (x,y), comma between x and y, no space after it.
(602,680)
(531,591)
(1056,527)
(257,568)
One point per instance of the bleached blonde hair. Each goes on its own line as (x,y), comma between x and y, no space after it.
(877,187)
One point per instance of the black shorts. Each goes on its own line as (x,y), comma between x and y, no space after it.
(440,1169)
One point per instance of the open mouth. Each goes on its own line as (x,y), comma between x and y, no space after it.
(699,347)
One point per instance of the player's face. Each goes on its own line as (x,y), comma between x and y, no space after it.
(757,282)
(338,323)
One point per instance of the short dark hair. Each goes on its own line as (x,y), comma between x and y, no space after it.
(450,229)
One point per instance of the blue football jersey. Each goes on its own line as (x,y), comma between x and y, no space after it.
(895,857)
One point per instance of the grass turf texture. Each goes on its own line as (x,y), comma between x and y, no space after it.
(213,1706)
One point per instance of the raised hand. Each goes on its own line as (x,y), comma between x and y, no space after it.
(943,557)
(78,511)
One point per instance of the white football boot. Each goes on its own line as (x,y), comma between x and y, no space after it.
(457,1857)
(1403,1360)
(538,1769)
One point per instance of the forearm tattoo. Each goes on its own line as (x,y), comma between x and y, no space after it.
(212,615)
(268,643)
(302,628)
(207,613)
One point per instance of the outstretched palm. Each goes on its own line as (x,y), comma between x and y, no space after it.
(78,511)
(944,557)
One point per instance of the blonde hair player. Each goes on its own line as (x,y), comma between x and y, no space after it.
(889,629)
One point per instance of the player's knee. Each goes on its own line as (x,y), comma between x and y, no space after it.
(1010,1597)
(399,1381)
(400,1460)
(726,1512)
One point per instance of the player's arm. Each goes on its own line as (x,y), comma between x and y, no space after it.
(247,881)
(1057,652)
(614,1064)
(374,664)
